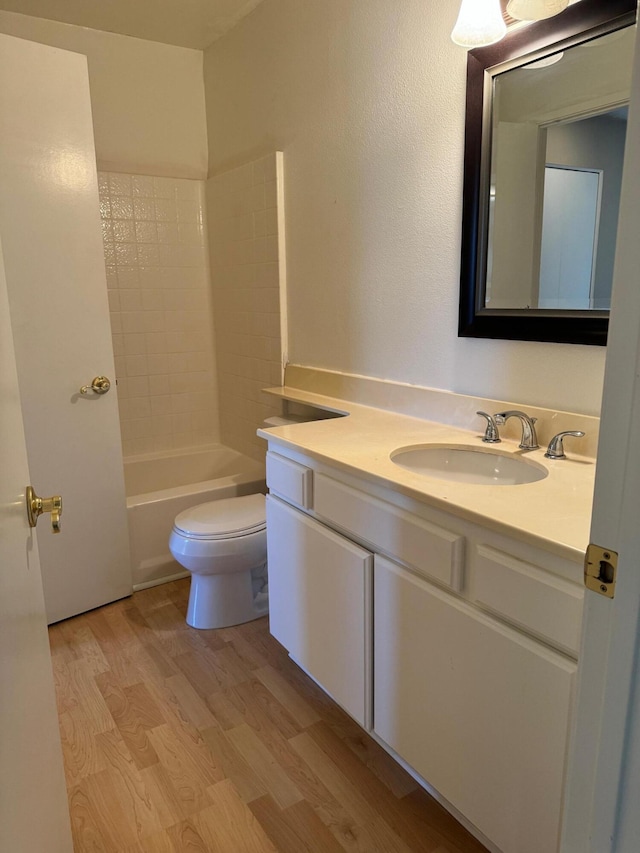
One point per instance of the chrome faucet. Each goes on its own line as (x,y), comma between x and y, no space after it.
(491,434)
(556,447)
(529,440)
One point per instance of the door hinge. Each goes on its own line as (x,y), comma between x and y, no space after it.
(600,570)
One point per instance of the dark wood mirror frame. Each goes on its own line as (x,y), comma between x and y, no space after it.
(580,22)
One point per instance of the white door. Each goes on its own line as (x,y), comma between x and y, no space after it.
(50,231)
(570,223)
(603,786)
(33,802)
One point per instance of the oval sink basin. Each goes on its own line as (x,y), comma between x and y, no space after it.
(468,465)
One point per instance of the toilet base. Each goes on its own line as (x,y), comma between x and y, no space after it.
(224,600)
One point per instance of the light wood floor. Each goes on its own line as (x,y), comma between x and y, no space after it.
(179,741)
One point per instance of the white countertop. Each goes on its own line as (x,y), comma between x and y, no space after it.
(553,513)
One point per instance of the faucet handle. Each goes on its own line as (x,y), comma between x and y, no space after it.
(556,445)
(491,435)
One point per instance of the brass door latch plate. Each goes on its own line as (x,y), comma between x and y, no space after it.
(600,570)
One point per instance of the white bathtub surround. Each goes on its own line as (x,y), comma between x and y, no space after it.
(246,234)
(159,486)
(159,299)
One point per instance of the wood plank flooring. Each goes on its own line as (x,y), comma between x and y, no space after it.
(181,741)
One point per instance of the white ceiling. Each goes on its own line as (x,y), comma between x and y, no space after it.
(188,23)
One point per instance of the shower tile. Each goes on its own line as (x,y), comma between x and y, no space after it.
(158,363)
(182,403)
(127,277)
(132,321)
(167,233)
(159,384)
(188,210)
(158,279)
(166,210)
(118,345)
(181,422)
(145,232)
(123,231)
(258,169)
(136,365)
(120,366)
(119,185)
(121,208)
(260,223)
(130,300)
(109,253)
(161,405)
(152,299)
(162,425)
(134,345)
(142,186)
(148,255)
(105,208)
(271,194)
(116,323)
(153,321)
(189,234)
(139,407)
(178,362)
(126,253)
(103,183)
(165,442)
(144,209)
(272,221)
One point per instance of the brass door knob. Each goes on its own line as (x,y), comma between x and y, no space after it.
(99,385)
(36,506)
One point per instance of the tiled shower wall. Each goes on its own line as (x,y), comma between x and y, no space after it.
(246,239)
(159,297)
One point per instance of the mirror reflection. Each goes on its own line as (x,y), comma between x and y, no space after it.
(558,133)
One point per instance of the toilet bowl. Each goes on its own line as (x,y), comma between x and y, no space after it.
(224,546)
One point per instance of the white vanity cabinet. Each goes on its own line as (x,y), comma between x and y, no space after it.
(454,644)
(320,604)
(477,709)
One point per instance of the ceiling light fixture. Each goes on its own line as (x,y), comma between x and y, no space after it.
(479,23)
(535,10)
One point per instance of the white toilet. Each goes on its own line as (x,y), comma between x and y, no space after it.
(224,546)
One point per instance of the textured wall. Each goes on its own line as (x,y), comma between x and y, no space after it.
(366,99)
(147,98)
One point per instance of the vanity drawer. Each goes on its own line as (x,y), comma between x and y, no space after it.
(289,479)
(430,550)
(529,597)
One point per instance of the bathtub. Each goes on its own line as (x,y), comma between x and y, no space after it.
(159,486)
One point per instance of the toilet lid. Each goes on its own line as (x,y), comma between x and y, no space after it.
(223,519)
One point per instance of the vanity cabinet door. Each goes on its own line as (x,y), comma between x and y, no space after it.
(320,604)
(478,710)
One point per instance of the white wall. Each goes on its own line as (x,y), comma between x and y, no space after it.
(246,277)
(147,98)
(366,99)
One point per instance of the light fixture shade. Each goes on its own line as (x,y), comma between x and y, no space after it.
(535,10)
(479,23)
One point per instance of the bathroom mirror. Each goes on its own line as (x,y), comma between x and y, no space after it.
(545,132)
